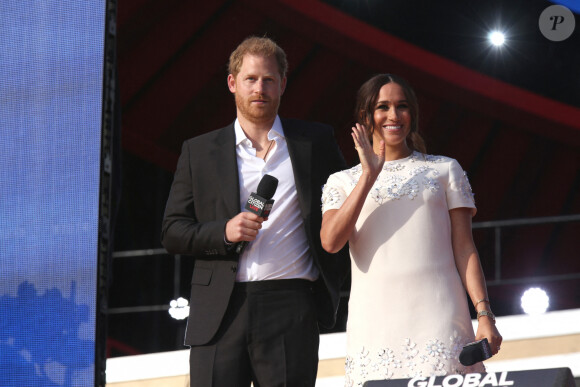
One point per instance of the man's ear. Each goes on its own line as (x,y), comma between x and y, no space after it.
(283,85)
(232,83)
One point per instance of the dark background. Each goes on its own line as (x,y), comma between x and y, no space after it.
(510,116)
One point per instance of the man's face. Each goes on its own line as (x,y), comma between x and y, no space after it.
(257,88)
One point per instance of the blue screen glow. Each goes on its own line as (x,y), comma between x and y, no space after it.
(51,61)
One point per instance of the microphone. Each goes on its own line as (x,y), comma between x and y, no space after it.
(260,202)
(475,352)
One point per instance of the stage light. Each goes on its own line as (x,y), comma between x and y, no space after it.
(496,38)
(535,301)
(179,309)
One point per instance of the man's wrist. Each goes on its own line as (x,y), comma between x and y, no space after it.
(226,241)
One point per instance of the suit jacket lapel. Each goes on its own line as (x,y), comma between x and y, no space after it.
(224,155)
(300,149)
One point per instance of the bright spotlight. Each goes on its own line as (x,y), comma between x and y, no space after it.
(496,38)
(179,309)
(535,301)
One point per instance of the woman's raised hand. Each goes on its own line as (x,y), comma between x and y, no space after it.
(338,224)
(371,162)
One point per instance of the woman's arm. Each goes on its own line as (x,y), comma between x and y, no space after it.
(471,273)
(338,224)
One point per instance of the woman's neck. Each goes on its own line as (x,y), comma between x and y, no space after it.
(397,153)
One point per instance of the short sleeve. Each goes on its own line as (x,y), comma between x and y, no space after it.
(333,194)
(459,192)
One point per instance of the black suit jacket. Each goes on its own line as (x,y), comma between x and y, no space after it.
(205,195)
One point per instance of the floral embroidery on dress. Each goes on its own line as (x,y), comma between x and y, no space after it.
(418,170)
(355,171)
(439,354)
(465,188)
(435,159)
(433,358)
(431,184)
(398,181)
(348,365)
(394,187)
(456,343)
(393,167)
(364,361)
(410,352)
(386,362)
(330,196)
(435,348)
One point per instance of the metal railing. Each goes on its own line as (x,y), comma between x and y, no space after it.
(497,226)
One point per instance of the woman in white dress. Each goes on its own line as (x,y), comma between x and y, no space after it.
(407,218)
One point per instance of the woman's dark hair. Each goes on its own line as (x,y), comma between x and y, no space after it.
(367,99)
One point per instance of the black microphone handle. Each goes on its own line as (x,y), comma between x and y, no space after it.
(263,197)
(241,246)
(475,352)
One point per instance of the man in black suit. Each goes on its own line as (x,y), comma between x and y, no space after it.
(254,316)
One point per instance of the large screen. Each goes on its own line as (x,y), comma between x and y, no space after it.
(51,66)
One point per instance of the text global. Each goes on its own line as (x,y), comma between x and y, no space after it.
(468,380)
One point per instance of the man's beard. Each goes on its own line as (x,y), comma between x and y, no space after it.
(255,114)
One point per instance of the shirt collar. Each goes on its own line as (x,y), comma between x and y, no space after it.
(275,132)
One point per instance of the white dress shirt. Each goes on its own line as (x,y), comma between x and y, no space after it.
(280,251)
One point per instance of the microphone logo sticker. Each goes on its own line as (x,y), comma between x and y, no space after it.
(255,204)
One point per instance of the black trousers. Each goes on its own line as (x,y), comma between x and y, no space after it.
(269,336)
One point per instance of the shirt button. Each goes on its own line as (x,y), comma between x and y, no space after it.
(234,269)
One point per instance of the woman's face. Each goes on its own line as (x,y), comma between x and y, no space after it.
(392,117)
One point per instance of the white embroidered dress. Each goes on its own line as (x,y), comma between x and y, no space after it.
(408,314)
